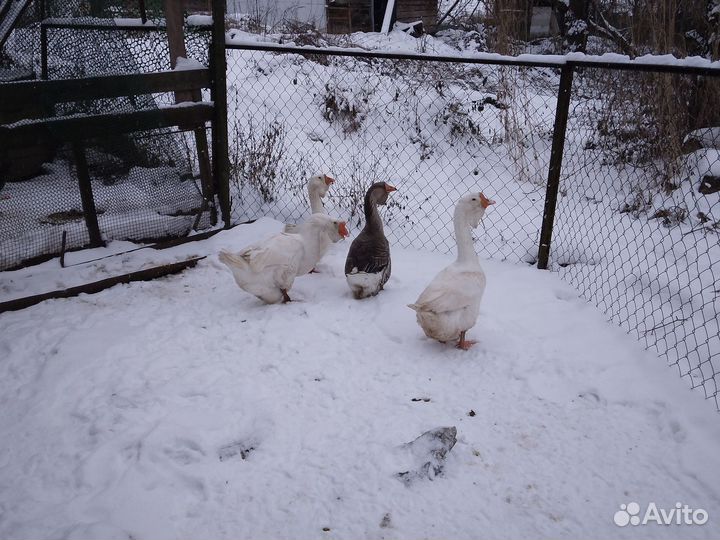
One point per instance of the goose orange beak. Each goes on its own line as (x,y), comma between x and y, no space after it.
(329,180)
(389,188)
(342,229)
(485,202)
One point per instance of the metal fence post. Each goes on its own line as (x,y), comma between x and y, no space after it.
(556,154)
(218,67)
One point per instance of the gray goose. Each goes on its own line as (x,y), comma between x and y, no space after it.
(367,267)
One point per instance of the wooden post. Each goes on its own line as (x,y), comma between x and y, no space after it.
(561,117)
(96,8)
(143,11)
(218,67)
(86,195)
(43,52)
(174,19)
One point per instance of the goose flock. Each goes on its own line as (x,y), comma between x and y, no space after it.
(445,310)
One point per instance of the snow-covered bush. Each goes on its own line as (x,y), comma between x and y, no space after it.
(346,97)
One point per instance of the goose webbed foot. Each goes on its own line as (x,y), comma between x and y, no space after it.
(286,297)
(465,344)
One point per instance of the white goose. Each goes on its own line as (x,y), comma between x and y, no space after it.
(268,269)
(449,305)
(317,188)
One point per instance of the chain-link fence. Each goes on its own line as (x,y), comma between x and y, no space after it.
(433,129)
(148,185)
(637,228)
(637,222)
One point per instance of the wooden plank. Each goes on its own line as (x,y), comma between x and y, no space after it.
(388,16)
(97,286)
(174,20)
(74,128)
(66,90)
(9,16)
(103,24)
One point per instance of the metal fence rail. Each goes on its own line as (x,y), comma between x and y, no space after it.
(587,187)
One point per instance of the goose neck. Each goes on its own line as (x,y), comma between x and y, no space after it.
(373,221)
(463,238)
(316,205)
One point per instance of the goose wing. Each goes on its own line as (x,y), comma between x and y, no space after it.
(370,254)
(451,291)
(282,251)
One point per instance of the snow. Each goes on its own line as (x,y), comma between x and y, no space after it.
(125,22)
(183,407)
(199,20)
(185,64)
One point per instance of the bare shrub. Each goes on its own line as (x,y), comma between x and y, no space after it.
(255,156)
(519,124)
(355,174)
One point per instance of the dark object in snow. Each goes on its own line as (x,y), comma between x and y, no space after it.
(235,449)
(471,413)
(671,217)
(428,453)
(424,399)
(386,522)
(709,184)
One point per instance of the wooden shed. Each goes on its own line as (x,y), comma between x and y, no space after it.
(345,16)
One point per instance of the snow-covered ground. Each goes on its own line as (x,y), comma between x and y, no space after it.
(184,407)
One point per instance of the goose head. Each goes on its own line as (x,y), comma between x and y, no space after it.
(471,208)
(378,192)
(322,224)
(320,184)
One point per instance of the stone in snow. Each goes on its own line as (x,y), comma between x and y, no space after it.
(428,453)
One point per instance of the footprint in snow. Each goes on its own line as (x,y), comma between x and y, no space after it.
(592,398)
(184,452)
(566,295)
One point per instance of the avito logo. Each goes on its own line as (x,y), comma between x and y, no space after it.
(680,514)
